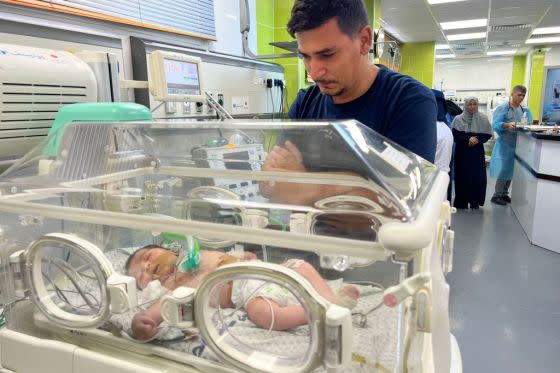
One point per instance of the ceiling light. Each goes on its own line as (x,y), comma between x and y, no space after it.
(464,24)
(472,35)
(442,46)
(550,39)
(500,53)
(434,2)
(546,30)
(442,56)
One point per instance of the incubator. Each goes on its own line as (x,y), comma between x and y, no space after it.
(359,212)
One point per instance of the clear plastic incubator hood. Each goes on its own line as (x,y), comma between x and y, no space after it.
(224,247)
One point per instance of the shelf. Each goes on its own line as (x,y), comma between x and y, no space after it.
(290,46)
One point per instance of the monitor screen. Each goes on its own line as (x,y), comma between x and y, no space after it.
(242,163)
(182,77)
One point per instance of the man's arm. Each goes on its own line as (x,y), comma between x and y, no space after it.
(498,120)
(288,158)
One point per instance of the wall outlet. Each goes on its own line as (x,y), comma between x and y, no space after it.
(170,108)
(186,107)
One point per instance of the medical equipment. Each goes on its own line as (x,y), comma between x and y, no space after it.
(35,84)
(176,77)
(67,234)
(232,157)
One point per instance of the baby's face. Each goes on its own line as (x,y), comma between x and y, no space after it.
(152,264)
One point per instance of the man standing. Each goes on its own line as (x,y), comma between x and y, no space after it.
(503,155)
(334,40)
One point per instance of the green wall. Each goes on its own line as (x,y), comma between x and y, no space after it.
(518,72)
(265,26)
(293,74)
(272,17)
(418,61)
(373,8)
(535,89)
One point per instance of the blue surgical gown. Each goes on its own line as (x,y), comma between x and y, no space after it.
(503,155)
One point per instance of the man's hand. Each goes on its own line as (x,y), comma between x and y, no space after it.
(509,126)
(284,158)
(143,326)
(473,140)
(281,158)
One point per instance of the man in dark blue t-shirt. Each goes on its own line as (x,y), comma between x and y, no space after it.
(334,40)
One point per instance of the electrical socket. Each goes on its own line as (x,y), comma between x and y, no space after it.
(259,80)
(186,107)
(170,108)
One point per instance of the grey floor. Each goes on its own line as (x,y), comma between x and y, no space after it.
(505,295)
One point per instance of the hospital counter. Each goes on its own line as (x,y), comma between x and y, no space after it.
(535,196)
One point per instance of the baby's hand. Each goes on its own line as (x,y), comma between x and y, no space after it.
(143,326)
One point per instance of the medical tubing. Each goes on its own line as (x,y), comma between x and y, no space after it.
(271,311)
(82,305)
(71,278)
(238,308)
(264,253)
(157,107)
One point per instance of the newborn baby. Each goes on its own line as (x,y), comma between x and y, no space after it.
(268,305)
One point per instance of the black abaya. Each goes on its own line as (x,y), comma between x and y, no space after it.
(470,170)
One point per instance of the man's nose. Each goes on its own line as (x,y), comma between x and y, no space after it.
(317,70)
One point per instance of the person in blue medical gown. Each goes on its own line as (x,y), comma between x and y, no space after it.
(503,156)
(470,131)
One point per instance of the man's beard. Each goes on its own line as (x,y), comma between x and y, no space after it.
(337,93)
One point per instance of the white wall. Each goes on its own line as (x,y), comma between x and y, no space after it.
(552,57)
(474,73)
(226,13)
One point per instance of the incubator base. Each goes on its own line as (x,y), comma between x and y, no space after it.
(91,350)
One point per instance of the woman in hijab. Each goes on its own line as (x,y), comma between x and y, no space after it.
(470,131)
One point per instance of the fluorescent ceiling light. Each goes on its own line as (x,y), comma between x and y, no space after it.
(464,24)
(546,30)
(442,56)
(442,46)
(500,53)
(472,35)
(434,2)
(551,39)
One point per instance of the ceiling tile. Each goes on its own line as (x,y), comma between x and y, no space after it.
(412,20)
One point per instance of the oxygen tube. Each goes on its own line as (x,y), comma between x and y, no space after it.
(187,249)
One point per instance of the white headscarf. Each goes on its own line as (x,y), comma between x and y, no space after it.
(472,122)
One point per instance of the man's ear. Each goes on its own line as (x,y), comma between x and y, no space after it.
(365,36)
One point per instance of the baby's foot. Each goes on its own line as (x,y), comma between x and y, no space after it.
(348,296)
(248,256)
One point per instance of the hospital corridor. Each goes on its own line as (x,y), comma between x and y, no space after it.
(503,307)
(279,186)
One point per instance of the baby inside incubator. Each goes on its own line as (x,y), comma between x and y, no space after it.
(268,305)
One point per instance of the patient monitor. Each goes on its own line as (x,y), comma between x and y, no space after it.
(176,77)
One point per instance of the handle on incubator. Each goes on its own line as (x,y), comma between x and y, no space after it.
(122,293)
(394,295)
(338,335)
(177,308)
